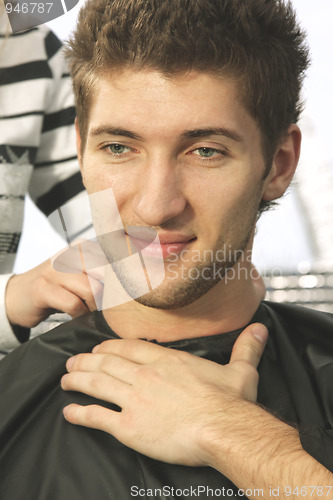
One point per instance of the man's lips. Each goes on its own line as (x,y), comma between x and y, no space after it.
(174,239)
(174,247)
(154,243)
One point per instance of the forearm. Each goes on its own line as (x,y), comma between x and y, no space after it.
(259,453)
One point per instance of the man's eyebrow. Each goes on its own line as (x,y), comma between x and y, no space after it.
(206,132)
(106,130)
(188,134)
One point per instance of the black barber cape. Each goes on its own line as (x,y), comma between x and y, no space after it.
(42,457)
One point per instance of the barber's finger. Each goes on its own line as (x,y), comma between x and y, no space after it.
(58,298)
(97,385)
(79,257)
(110,364)
(86,288)
(250,344)
(139,351)
(94,294)
(79,285)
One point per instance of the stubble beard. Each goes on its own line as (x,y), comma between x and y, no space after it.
(180,292)
(186,291)
(198,280)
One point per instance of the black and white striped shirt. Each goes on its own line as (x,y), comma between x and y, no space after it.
(37,139)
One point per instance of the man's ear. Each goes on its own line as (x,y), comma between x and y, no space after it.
(284,165)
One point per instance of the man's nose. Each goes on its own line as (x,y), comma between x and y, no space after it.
(159,193)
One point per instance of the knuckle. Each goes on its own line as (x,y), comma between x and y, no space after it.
(253,349)
(132,344)
(130,347)
(248,385)
(148,375)
(79,361)
(74,306)
(141,372)
(92,414)
(41,280)
(42,285)
(106,346)
(247,370)
(246,377)
(83,283)
(179,357)
(95,381)
(105,361)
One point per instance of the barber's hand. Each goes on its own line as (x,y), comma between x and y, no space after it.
(32,296)
(172,402)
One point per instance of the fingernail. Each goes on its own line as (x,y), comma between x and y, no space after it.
(70,363)
(260,332)
(95,349)
(65,411)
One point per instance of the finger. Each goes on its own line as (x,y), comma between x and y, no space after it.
(67,260)
(93,416)
(97,385)
(60,299)
(81,256)
(79,285)
(110,364)
(250,345)
(93,257)
(138,351)
(97,289)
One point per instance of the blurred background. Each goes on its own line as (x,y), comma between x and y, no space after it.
(293,242)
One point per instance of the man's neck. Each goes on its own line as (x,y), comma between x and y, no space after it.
(226,307)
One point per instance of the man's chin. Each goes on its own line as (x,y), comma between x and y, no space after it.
(175,296)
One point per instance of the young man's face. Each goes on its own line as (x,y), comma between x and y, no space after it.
(184,157)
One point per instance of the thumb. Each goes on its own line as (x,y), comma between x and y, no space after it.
(250,344)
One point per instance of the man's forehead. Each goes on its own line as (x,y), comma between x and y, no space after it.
(154,85)
(200,100)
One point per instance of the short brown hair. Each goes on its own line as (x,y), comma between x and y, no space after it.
(258,42)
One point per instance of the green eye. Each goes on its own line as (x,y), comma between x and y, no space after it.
(206,152)
(117,149)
